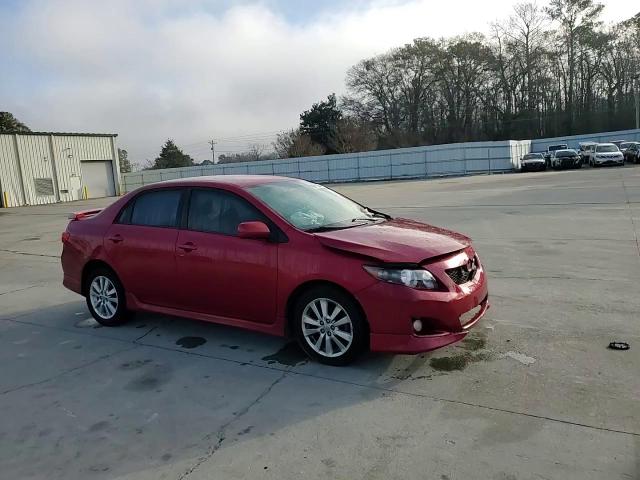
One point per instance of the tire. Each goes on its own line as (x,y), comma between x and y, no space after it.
(315,330)
(105,298)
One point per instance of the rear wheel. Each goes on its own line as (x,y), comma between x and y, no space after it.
(329,326)
(105,298)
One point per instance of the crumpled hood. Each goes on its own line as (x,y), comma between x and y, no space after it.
(395,241)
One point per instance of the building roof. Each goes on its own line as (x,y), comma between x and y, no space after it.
(63,134)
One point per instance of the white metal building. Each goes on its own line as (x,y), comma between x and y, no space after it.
(44,167)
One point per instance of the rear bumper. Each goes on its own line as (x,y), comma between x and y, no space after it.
(72,284)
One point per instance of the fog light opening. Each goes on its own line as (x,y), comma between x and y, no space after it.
(417,325)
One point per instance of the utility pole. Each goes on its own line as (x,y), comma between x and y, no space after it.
(637,92)
(213,143)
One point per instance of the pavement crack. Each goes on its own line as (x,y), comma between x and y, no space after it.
(15,252)
(435,398)
(145,334)
(220,434)
(542,277)
(66,372)
(20,289)
(633,223)
(499,205)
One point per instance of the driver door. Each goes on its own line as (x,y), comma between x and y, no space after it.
(223,274)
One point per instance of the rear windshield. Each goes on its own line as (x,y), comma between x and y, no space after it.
(607,148)
(532,156)
(626,144)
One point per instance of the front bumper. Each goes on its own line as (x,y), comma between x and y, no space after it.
(568,163)
(391,310)
(414,344)
(533,166)
(608,161)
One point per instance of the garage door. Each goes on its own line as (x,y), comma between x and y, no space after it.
(98,178)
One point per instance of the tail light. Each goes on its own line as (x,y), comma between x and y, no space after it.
(65,237)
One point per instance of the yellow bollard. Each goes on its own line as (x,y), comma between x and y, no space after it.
(85,192)
(6,199)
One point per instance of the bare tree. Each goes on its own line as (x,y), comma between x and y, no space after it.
(544,71)
(576,18)
(353,136)
(295,144)
(256,150)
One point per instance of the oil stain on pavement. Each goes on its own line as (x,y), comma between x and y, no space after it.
(290,355)
(191,342)
(460,361)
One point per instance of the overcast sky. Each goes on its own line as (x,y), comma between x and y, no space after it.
(236,71)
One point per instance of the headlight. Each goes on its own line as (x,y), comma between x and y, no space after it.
(409,277)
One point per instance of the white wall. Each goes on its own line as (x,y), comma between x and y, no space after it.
(417,162)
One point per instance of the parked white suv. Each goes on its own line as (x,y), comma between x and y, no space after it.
(607,154)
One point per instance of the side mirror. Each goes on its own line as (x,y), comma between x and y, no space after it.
(255,230)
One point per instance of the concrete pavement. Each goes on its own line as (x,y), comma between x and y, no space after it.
(532,393)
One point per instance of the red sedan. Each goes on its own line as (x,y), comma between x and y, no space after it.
(280,256)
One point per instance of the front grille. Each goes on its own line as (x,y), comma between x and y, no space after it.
(464,273)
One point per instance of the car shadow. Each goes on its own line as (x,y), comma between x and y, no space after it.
(161,390)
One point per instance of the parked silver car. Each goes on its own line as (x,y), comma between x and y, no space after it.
(607,154)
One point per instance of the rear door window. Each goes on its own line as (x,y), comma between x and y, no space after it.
(157,208)
(217,211)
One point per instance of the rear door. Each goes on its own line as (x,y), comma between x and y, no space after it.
(141,245)
(221,273)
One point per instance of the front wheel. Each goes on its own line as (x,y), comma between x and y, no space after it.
(105,298)
(329,326)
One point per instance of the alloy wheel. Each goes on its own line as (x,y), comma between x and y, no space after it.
(104,297)
(327,327)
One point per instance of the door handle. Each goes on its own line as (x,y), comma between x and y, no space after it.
(188,247)
(117,238)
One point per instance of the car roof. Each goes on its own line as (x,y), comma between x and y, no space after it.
(588,143)
(566,150)
(241,181)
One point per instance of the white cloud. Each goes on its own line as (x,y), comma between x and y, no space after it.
(154,69)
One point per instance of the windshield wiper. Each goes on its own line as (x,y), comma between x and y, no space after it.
(326,228)
(376,213)
(345,224)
